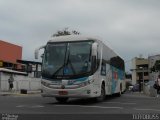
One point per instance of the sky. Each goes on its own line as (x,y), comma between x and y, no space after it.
(130,27)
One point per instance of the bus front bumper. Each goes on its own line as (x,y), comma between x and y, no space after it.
(83,92)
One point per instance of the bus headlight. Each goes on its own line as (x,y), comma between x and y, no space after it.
(85,83)
(45,83)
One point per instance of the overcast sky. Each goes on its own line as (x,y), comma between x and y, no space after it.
(131,27)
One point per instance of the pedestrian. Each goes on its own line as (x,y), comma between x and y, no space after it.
(157,84)
(10,81)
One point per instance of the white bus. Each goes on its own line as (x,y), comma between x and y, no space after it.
(76,66)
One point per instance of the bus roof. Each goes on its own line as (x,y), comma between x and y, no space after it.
(72,38)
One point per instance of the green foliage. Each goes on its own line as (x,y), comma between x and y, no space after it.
(66,32)
(156,66)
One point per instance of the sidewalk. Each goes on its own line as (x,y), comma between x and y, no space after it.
(138,94)
(15,93)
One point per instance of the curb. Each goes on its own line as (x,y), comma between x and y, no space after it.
(19,94)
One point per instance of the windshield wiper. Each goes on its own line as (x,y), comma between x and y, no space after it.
(58,69)
(62,65)
(69,61)
(65,64)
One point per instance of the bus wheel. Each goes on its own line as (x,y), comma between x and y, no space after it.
(103,94)
(62,99)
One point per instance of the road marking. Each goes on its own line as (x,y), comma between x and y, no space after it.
(104,107)
(37,106)
(147,109)
(121,103)
(20,106)
(27,106)
(90,106)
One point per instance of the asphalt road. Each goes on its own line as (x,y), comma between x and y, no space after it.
(34,104)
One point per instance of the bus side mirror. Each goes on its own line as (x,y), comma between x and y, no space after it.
(37,51)
(94,56)
(42,55)
(94,49)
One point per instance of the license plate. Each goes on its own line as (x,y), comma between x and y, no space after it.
(63,92)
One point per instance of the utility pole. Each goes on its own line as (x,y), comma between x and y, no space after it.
(141,68)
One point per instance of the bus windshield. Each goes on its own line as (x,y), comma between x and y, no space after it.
(67,59)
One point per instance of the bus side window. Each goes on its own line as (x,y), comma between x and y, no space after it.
(103,69)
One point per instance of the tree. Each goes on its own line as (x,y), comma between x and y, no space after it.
(66,32)
(156,66)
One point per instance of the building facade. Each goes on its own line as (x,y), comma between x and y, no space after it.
(9,53)
(139,70)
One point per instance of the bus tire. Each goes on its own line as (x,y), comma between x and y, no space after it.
(62,99)
(103,94)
